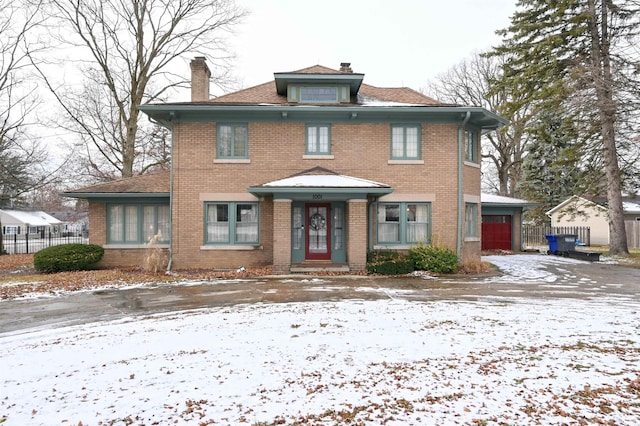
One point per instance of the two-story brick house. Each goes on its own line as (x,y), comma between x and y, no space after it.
(314,168)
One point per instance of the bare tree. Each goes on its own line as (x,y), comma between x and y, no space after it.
(126,50)
(23,161)
(471,82)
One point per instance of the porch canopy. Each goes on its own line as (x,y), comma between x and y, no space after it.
(319,182)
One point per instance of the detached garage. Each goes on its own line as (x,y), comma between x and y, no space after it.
(502,222)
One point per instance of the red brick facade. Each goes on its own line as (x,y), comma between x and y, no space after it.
(360,148)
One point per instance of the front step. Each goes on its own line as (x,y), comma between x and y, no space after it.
(308,267)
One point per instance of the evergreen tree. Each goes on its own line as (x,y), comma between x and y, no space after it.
(560,48)
(551,169)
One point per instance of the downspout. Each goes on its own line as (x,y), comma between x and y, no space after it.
(460,191)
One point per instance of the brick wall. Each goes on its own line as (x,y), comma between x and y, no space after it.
(276,151)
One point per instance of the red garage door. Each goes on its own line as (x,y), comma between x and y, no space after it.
(496,232)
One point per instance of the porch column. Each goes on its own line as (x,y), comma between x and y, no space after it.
(357,239)
(281,235)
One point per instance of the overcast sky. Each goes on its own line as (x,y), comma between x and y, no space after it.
(394,43)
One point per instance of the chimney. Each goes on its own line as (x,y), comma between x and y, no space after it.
(200,76)
(346,67)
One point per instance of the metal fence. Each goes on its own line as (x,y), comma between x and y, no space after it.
(534,235)
(31,243)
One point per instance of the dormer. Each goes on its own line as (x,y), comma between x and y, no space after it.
(319,87)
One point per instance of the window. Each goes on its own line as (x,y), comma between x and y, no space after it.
(319,94)
(403,223)
(232,141)
(231,223)
(471,220)
(318,139)
(405,142)
(471,146)
(137,223)
(11,230)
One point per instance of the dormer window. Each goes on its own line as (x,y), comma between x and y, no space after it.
(318,94)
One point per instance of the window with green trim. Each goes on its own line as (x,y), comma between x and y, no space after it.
(137,223)
(231,223)
(318,139)
(232,141)
(405,142)
(471,146)
(404,223)
(471,220)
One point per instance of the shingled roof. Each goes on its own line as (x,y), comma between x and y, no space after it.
(151,183)
(266,93)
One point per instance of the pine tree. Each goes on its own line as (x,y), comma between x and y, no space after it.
(559,48)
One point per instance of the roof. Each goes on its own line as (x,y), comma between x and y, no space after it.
(267,93)
(322,180)
(151,184)
(269,102)
(500,200)
(573,198)
(33,218)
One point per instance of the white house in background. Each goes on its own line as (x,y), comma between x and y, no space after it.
(15,222)
(578,211)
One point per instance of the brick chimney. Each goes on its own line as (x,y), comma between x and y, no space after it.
(346,67)
(200,76)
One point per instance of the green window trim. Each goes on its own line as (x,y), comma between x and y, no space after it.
(318,139)
(231,223)
(406,142)
(138,223)
(402,223)
(471,220)
(471,146)
(232,141)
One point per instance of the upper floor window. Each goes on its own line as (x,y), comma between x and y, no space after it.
(405,142)
(232,141)
(403,223)
(318,139)
(137,223)
(471,146)
(231,223)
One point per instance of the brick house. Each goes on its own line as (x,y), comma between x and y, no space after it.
(313,169)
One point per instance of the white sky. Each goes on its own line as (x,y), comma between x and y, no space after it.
(500,359)
(394,43)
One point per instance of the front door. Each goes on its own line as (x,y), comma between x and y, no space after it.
(318,231)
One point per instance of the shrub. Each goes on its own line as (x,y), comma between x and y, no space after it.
(67,257)
(388,263)
(434,259)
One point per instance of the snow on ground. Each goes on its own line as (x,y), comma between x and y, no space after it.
(396,362)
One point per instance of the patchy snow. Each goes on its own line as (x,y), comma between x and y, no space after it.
(396,362)
(322,181)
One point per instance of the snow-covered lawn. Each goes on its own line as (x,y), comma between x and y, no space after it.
(493,361)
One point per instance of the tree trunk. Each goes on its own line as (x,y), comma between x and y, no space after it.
(603,83)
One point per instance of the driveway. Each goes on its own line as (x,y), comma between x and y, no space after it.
(520,276)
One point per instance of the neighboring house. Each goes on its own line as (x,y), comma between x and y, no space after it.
(32,223)
(74,223)
(313,169)
(502,222)
(579,211)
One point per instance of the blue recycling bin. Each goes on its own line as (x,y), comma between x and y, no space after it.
(553,243)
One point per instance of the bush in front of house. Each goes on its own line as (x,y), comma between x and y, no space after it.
(436,259)
(388,263)
(67,257)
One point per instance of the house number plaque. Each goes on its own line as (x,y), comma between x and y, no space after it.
(316,196)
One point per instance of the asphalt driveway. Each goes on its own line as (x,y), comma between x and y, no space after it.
(520,276)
